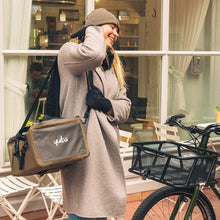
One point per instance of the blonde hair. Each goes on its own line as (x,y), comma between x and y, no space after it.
(118,68)
(117,65)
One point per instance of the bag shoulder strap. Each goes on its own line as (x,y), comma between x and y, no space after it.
(90,79)
(52,106)
(90,84)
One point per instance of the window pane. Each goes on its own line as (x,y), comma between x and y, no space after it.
(23,79)
(37,70)
(194,88)
(194,25)
(140,23)
(143,80)
(52,24)
(142,77)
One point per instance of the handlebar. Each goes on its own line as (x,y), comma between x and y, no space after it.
(175,120)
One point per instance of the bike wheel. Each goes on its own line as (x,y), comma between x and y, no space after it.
(160,204)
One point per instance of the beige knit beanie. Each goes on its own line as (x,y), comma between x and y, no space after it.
(101,16)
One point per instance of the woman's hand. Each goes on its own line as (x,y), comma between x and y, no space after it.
(96,100)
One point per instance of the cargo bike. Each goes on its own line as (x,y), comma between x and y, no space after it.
(185,169)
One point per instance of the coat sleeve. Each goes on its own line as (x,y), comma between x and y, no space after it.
(77,58)
(121,107)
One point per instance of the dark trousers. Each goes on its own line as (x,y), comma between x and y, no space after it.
(75,217)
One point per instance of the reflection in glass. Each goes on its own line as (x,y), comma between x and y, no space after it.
(58,22)
(188,22)
(34,82)
(195,92)
(143,80)
(140,23)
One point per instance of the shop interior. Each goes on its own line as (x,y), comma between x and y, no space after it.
(53,22)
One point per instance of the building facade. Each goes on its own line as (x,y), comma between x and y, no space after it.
(170,50)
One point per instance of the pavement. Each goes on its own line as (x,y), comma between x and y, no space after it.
(133,201)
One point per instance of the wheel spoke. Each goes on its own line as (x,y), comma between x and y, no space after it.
(160,205)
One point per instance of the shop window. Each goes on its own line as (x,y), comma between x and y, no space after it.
(55,24)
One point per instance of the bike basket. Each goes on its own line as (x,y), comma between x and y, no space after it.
(173,163)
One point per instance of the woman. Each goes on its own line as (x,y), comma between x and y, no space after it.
(94,188)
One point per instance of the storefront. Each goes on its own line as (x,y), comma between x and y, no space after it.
(170,50)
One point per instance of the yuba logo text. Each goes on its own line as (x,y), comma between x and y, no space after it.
(60,140)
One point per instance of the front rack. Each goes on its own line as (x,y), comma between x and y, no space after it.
(173,163)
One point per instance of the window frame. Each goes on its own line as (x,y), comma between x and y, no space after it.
(2,134)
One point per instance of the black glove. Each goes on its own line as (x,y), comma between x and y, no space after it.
(95,99)
(80,34)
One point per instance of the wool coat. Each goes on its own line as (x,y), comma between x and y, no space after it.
(95,186)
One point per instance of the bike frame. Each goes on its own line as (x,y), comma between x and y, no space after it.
(191,205)
(203,144)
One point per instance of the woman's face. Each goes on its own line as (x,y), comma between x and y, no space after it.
(110,34)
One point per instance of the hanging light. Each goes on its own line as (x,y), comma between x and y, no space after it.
(43,40)
(38,15)
(62,16)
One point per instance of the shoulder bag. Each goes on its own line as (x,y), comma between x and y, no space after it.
(49,145)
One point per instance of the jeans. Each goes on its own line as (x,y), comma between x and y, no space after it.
(75,217)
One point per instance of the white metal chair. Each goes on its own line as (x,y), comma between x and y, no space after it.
(165,132)
(125,137)
(43,102)
(53,197)
(12,185)
(54,194)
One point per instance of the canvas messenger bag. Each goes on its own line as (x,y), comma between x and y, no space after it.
(49,145)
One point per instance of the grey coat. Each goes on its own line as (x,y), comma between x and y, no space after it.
(95,186)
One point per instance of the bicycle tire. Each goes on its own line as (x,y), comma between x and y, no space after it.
(159,205)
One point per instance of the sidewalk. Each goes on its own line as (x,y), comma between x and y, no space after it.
(133,201)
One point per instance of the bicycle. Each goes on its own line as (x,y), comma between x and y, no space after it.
(184,168)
